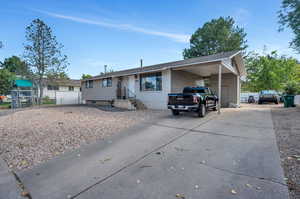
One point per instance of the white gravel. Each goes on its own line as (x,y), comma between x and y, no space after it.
(33,136)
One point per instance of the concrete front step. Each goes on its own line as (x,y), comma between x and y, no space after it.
(130,104)
(124,104)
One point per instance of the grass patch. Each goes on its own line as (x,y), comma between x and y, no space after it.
(5,105)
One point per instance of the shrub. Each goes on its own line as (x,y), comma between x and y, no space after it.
(291,88)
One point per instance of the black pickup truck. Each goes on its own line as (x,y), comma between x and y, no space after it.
(197,99)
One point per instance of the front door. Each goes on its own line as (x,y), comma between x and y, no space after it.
(119,88)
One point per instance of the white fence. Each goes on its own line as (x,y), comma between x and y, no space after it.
(244,96)
(68,97)
(297,100)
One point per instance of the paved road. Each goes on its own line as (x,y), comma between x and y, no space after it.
(233,155)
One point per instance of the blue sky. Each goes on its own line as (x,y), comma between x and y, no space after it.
(119,33)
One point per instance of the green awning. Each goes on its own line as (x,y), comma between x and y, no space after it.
(23,83)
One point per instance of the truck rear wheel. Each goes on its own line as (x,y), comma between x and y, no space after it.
(202,110)
(175,112)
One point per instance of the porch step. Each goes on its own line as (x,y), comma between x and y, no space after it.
(130,104)
(124,104)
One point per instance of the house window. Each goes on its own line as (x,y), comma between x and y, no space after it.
(151,82)
(89,84)
(71,88)
(52,88)
(107,82)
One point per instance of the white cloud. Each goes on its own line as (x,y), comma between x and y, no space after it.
(241,16)
(183,38)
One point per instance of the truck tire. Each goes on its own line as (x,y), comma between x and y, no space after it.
(202,110)
(175,112)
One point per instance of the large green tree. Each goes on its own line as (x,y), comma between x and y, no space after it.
(43,53)
(6,81)
(289,16)
(215,36)
(15,65)
(270,71)
(85,76)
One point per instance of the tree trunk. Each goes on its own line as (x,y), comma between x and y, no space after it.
(41,93)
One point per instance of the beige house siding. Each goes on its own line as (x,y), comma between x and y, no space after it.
(98,92)
(181,79)
(229,92)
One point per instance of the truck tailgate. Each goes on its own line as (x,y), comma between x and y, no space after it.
(181,99)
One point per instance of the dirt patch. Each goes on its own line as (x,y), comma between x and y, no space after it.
(33,136)
(287,128)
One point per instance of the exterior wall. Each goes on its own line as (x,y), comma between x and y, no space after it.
(98,92)
(52,93)
(48,93)
(229,92)
(155,99)
(181,79)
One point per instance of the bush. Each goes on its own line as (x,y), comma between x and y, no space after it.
(291,88)
(47,100)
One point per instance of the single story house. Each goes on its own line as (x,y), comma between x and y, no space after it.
(151,84)
(51,87)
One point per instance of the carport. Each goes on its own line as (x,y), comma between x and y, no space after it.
(221,75)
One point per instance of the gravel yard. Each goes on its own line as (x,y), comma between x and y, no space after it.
(32,136)
(287,128)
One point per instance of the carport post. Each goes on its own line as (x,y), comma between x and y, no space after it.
(219,88)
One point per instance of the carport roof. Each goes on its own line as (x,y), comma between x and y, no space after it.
(197,60)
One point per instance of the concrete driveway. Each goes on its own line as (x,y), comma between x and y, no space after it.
(232,155)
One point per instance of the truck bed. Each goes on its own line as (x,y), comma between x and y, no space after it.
(181,99)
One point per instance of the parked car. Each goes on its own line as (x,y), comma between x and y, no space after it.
(268,96)
(196,99)
(280,97)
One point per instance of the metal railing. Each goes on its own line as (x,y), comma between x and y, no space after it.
(130,94)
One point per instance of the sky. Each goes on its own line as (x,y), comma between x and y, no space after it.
(119,33)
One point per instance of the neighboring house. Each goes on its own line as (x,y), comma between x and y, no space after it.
(66,85)
(151,84)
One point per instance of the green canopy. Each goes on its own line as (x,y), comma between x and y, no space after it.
(23,83)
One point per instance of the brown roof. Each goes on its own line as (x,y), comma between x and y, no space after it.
(64,82)
(203,59)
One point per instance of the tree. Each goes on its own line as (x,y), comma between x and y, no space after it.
(58,76)
(15,65)
(289,16)
(270,72)
(218,35)
(6,81)
(43,53)
(85,76)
